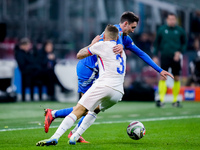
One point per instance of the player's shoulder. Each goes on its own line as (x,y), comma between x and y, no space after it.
(97,45)
(128,39)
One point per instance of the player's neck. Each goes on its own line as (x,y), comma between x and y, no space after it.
(121,26)
(109,39)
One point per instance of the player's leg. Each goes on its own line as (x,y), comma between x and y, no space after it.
(106,102)
(50,115)
(162,89)
(176,88)
(69,120)
(176,68)
(64,126)
(86,123)
(86,77)
(76,127)
(82,88)
(81,139)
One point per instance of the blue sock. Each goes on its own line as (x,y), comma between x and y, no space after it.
(80,121)
(62,113)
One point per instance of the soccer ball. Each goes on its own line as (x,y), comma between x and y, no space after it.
(136,130)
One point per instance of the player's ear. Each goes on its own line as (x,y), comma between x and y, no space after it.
(125,23)
(117,37)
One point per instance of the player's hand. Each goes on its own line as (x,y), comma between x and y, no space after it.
(177,56)
(118,49)
(164,74)
(96,39)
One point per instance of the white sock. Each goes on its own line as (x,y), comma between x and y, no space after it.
(87,122)
(65,125)
(53,113)
(74,130)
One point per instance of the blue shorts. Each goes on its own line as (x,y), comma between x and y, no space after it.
(86,77)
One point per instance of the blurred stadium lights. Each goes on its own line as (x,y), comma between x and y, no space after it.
(78,21)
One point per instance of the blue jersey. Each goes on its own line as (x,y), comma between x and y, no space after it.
(90,62)
(87,72)
(127,42)
(87,68)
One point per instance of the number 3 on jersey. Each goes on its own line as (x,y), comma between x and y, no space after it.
(118,57)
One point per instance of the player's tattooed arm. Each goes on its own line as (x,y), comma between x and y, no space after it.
(84,51)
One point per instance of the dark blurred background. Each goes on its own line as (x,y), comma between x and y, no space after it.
(72,24)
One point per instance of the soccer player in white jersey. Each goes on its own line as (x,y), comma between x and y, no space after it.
(105,92)
(108,88)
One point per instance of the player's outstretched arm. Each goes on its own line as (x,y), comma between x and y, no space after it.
(84,51)
(164,74)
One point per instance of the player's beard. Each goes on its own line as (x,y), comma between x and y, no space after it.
(125,34)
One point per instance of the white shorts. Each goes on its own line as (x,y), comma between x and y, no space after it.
(104,96)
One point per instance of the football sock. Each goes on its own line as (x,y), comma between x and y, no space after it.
(65,125)
(175,90)
(76,127)
(62,113)
(87,122)
(74,130)
(162,89)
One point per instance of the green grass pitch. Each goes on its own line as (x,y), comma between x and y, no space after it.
(168,128)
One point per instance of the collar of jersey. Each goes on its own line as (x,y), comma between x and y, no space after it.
(118,26)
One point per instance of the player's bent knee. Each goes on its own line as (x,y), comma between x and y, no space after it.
(97,110)
(79,111)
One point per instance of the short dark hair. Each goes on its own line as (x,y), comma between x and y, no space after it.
(112,31)
(130,17)
(171,14)
(24,41)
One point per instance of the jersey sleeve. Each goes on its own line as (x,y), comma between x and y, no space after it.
(128,42)
(95,49)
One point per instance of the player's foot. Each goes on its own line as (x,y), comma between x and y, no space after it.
(72,141)
(80,140)
(47,142)
(70,134)
(48,119)
(177,104)
(159,104)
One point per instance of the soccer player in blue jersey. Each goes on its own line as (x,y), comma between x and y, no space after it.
(128,23)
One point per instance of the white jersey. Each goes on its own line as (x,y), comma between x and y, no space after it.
(111,66)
